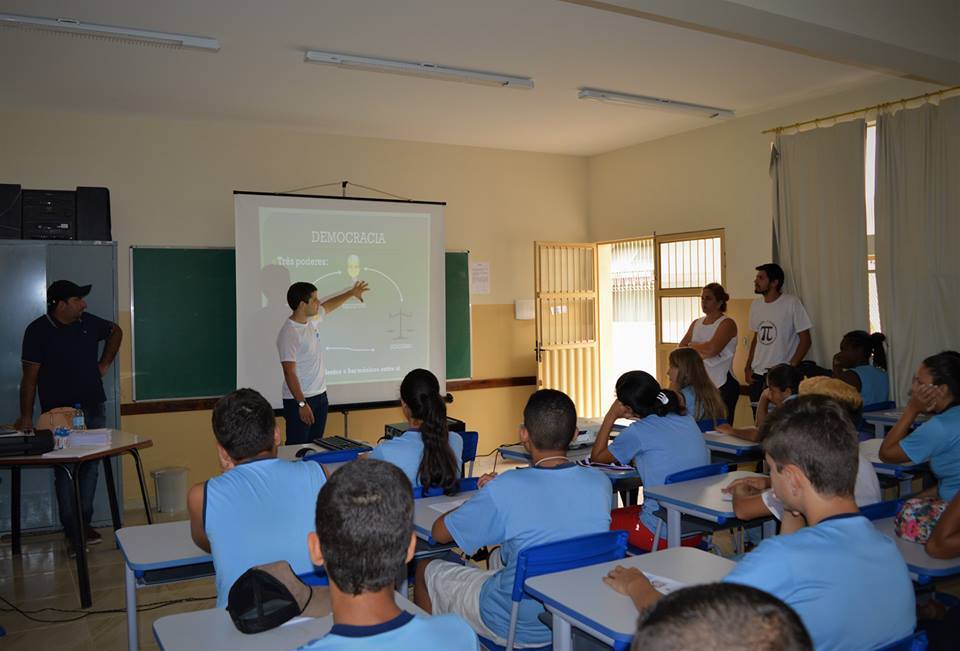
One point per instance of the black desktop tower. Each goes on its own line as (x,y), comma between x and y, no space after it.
(396,429)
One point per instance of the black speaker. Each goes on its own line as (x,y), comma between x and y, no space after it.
(11,211)
(93,214)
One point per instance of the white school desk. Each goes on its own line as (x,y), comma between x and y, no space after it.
(881,420)
(870,450)
(516,452)
(213,630)
(70,460)
(424,515)
(922,566)
(720,442)
(580,598)
(155,547)
(701,498)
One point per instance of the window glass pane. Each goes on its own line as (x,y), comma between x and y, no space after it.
(690,263)
(676,313)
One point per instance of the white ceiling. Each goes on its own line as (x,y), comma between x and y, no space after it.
(259,75)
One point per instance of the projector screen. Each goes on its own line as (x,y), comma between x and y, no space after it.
(397,247)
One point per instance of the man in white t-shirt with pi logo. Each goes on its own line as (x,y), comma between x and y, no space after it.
(305,402)
(781,328)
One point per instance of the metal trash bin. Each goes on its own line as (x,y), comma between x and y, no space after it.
(171,489)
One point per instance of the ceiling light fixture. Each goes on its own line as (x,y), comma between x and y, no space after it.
(643,101)
(127,35)
(417,69)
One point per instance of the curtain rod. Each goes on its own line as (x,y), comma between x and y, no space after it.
(866,109)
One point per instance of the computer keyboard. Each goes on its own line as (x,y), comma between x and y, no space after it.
(338,443)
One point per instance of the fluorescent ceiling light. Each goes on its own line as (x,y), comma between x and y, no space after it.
(644,101)
(109,32)
(417,69)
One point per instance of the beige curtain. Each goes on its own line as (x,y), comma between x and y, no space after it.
(819,229)
(918,235)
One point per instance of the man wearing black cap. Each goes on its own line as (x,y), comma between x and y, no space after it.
(60,358)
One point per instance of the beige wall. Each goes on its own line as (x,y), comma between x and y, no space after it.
(710,178)
(171,183)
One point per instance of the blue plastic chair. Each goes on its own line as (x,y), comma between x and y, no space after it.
(470,442)
(465,484)
(699,472)
(881,510)
(709,424)
(915,642)
(556,557)
(317,577)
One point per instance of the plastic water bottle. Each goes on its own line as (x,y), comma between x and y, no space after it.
(79,422)
(61,438)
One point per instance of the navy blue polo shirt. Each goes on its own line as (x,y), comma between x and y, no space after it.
(68,357)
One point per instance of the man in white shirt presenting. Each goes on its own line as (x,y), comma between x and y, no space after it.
(781,328)
(301,355)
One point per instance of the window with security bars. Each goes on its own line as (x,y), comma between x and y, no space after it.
(685,263)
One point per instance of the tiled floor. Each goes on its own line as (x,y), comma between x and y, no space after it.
(43,576)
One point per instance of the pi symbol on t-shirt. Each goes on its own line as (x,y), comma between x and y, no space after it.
(767,332)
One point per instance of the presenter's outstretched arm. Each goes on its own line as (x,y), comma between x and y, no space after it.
(357,291)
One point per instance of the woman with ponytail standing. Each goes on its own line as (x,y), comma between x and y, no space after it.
(862,363)
(661,441)
(714,337)
(427,453)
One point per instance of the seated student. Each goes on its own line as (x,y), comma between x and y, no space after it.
(783,382)
(753,497)
(427,453)
(698,394)
(551,500)
(936,391)
(364,539)
(718,617)
(660,442)
(945,540)
(941,623)
(853,365)
(846,580)
(259,510)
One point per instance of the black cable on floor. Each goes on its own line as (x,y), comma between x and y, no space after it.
(86,613)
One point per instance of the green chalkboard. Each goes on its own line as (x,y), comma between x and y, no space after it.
(184,322)
(458,315)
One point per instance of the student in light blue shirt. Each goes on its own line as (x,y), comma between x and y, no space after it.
(936,391)
(862,363)
(365,539)
(700,396)
(551,500)
(660,442)
(260,507)
(427,453)
(846,580)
